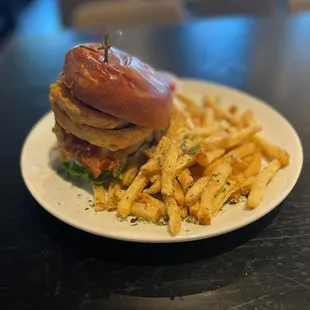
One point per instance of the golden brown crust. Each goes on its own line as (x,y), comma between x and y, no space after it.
(81,113)
(112,139)
(124,87)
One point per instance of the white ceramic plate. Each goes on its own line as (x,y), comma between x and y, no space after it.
(68,202)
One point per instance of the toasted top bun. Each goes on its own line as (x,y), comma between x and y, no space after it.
(124,86)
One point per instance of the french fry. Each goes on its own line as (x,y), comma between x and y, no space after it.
(112,198)
(220,111)
(163,208)
(186,179)
(161,147)
(231,129)
(154,177)
(246,185)
(193,210)
(254,166)
(149,152)
(151,167)
(260,183)
(134,164)
(100,197)
(150,200)
(272,150)
(183,212)
(118,194)
(206,158)
(149,212)
(174,214)
(234,155)
(169,168)
(202,131)
(239,166)
(227,191)
(241,152)
(155,188)
(178,193)
(185,161)
(179,118)
(208,117)
(188,102)
(223,125)
(189,123)
(130,173)
(244,188)
(247,119)
(195,191)
(216,182)
(136,187)
(193,112)
(215,141)
(239,136)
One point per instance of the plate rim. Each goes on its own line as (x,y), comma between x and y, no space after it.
(187,238)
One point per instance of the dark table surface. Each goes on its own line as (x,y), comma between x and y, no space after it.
(46,264)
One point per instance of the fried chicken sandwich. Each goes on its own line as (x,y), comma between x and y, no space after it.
(105,111)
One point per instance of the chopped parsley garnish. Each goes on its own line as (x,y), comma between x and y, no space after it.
(194,149)
(158,161)
(215,174)
(120,173)
(191,151)
(190,220)
(183,146)
(166,218)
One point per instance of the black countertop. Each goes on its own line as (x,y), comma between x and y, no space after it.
(46,264)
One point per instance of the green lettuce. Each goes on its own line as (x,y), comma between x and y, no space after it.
(72,169)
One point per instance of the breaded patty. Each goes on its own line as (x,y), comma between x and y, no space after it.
(81,113)
(112,139)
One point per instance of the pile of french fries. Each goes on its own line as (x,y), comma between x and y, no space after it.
(208,157)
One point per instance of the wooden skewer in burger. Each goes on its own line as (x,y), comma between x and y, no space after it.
(107,105)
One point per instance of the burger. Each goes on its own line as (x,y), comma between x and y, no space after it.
(106,110)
